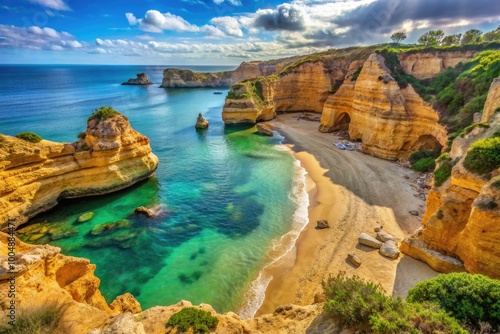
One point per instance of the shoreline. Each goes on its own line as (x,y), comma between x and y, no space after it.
(355,193)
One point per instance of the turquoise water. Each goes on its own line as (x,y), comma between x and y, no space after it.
(224,196)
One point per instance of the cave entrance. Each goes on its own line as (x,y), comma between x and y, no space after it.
(427,142)
(342,122)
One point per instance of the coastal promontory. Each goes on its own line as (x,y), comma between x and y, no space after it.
(34,176)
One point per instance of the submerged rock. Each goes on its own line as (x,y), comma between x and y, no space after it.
(321,224)
(144,211)
(142,79)
(413,212)
(354,260)
(85,217)
(201,122)
(264,129)
(390,249)
(63,232)
(366,240)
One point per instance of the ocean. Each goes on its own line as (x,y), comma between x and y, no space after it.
(227,197)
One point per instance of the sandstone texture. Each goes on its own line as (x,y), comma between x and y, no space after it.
(142,79)
(390,121)
(460,226)
(426,65)
(493,101)
(33,177)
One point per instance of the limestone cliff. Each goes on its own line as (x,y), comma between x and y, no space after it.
(302,86)
(34,176)
(178,78)
(142,79)
(426,65)
(390,121)
(493,101)
(44,276)
(460,226)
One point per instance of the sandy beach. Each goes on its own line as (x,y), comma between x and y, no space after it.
(355,193)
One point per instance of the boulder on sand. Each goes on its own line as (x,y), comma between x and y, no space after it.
(366,240)
(321,224)
(354,260)
(390,249)
(384,236)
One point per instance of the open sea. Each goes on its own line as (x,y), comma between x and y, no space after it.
(228,198)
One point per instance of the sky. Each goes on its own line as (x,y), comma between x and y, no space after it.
(218,32)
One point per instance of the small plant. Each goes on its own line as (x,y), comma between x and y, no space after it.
(201,321)
(29,136)
(468,129)
(424,165)
(420,154)
(355,75)
(483,156)
(443,172)
(37,320)
(82,135)
(439,214)
(469,298)
(103,113)
(496,183)
(487,204)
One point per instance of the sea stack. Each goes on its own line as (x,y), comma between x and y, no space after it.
(201,122)
(35,176)
(142,79)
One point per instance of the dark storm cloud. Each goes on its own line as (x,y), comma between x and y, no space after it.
(385,15)
(284,17)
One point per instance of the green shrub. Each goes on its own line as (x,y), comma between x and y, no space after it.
(39,320)
(420,154)
(201,321)
(415,318)
(363,305)
(496,182)
(355,75)
(351,300)
(469,129)
(483,156)
(424,165)
(258,90)
(103,113)
(439,214)
(29,136)
(469,298)
(443,172)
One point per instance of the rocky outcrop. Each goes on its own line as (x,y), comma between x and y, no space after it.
(35,176)
(303,86)
(264,130)
(201,122)
(460,226)
(492,103)
(178,78)
(390,121)
(142,79)
(426,65)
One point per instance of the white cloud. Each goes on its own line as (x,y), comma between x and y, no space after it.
(156,22)
(228,25)
(232,2)
(38,38)
(54,4)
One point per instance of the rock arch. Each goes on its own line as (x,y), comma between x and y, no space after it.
(427,142)
(342,122)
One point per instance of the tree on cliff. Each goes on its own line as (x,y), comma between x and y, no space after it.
(492,35)
(431,38)
(398,36)
(472,36)
(451,40)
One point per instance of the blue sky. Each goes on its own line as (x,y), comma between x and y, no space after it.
(206,32)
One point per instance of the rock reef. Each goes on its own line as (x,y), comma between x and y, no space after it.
(142,79)
(35,176)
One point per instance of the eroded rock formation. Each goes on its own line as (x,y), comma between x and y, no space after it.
(34,176)
(493,101)
(142,79)
(390,121)
(460,226)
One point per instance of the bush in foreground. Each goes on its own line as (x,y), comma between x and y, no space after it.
(29,136)
(424,165)
(103,113)
(40,320)
(483,156)
(469,298)
(201,321)
(364,306)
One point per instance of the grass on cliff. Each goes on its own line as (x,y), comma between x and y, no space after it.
(36,320)
(363,306)
(201,321)
(29,136)
(103,113)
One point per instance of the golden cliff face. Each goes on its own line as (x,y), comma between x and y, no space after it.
(460,226)
(426,65)
(33,177)
(493,100)
(390,121)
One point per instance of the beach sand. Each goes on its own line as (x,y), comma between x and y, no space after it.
(355,193)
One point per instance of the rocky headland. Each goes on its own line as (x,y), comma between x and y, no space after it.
(142,79)
(110,156)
